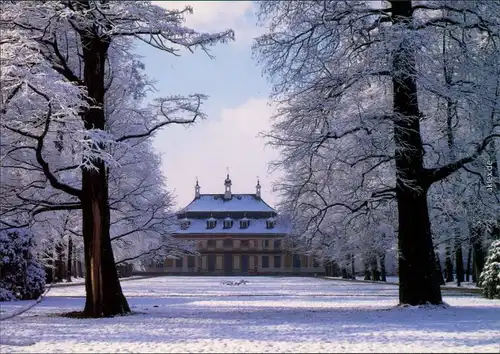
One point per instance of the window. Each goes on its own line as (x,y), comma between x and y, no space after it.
(211,223)
(191,262)
(265,243)
(244,223)
(228,242)
(277,261)
(211,243)
(160,263)
(228,223)
(277,244)
(178,262)
(245,243)
(265,261)
(315,263)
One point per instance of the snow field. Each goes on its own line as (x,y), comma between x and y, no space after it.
(268,314)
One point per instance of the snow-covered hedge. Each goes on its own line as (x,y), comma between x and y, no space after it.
(22,276)
(490,276)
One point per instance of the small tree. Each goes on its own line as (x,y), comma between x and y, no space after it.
(22,275)
(490,276)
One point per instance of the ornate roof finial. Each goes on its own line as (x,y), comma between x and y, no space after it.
(257,188)
(227,185)
(197,189)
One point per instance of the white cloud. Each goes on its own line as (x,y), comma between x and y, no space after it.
(206,149)
(213,16)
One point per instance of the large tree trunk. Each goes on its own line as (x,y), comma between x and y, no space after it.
(418,282)
(103,290)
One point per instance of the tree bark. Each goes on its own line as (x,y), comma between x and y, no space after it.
(417,274)
(478,256)
(104,294)
(367,270)
(439,271)
(60,261)
(448,265)
(459,262)
(69,261)
(353,269)
(49,267)
(375,273)
(382,267)
(469,258)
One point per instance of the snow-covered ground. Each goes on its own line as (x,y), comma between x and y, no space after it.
(394,279)
(268,314)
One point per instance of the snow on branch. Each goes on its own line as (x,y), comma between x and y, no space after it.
(172,110)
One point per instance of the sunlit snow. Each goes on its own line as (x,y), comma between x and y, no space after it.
(267,314)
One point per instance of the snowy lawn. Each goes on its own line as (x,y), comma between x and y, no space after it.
(268,314)
(393,279)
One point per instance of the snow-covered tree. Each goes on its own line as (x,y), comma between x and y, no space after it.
(22,276)
(490,276)
(354,124)
(63,78)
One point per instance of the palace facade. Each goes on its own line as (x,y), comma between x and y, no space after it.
(236,234)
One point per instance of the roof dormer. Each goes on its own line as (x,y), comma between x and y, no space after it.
(228,223)
(244,223)
(211,223)
(270,223)
(185,223)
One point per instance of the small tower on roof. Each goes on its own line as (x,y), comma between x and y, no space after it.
(227,185)
(197,189)
(257,188)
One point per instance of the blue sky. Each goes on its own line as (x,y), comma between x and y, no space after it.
(237,107)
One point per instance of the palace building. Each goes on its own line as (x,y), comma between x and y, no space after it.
(236,234)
